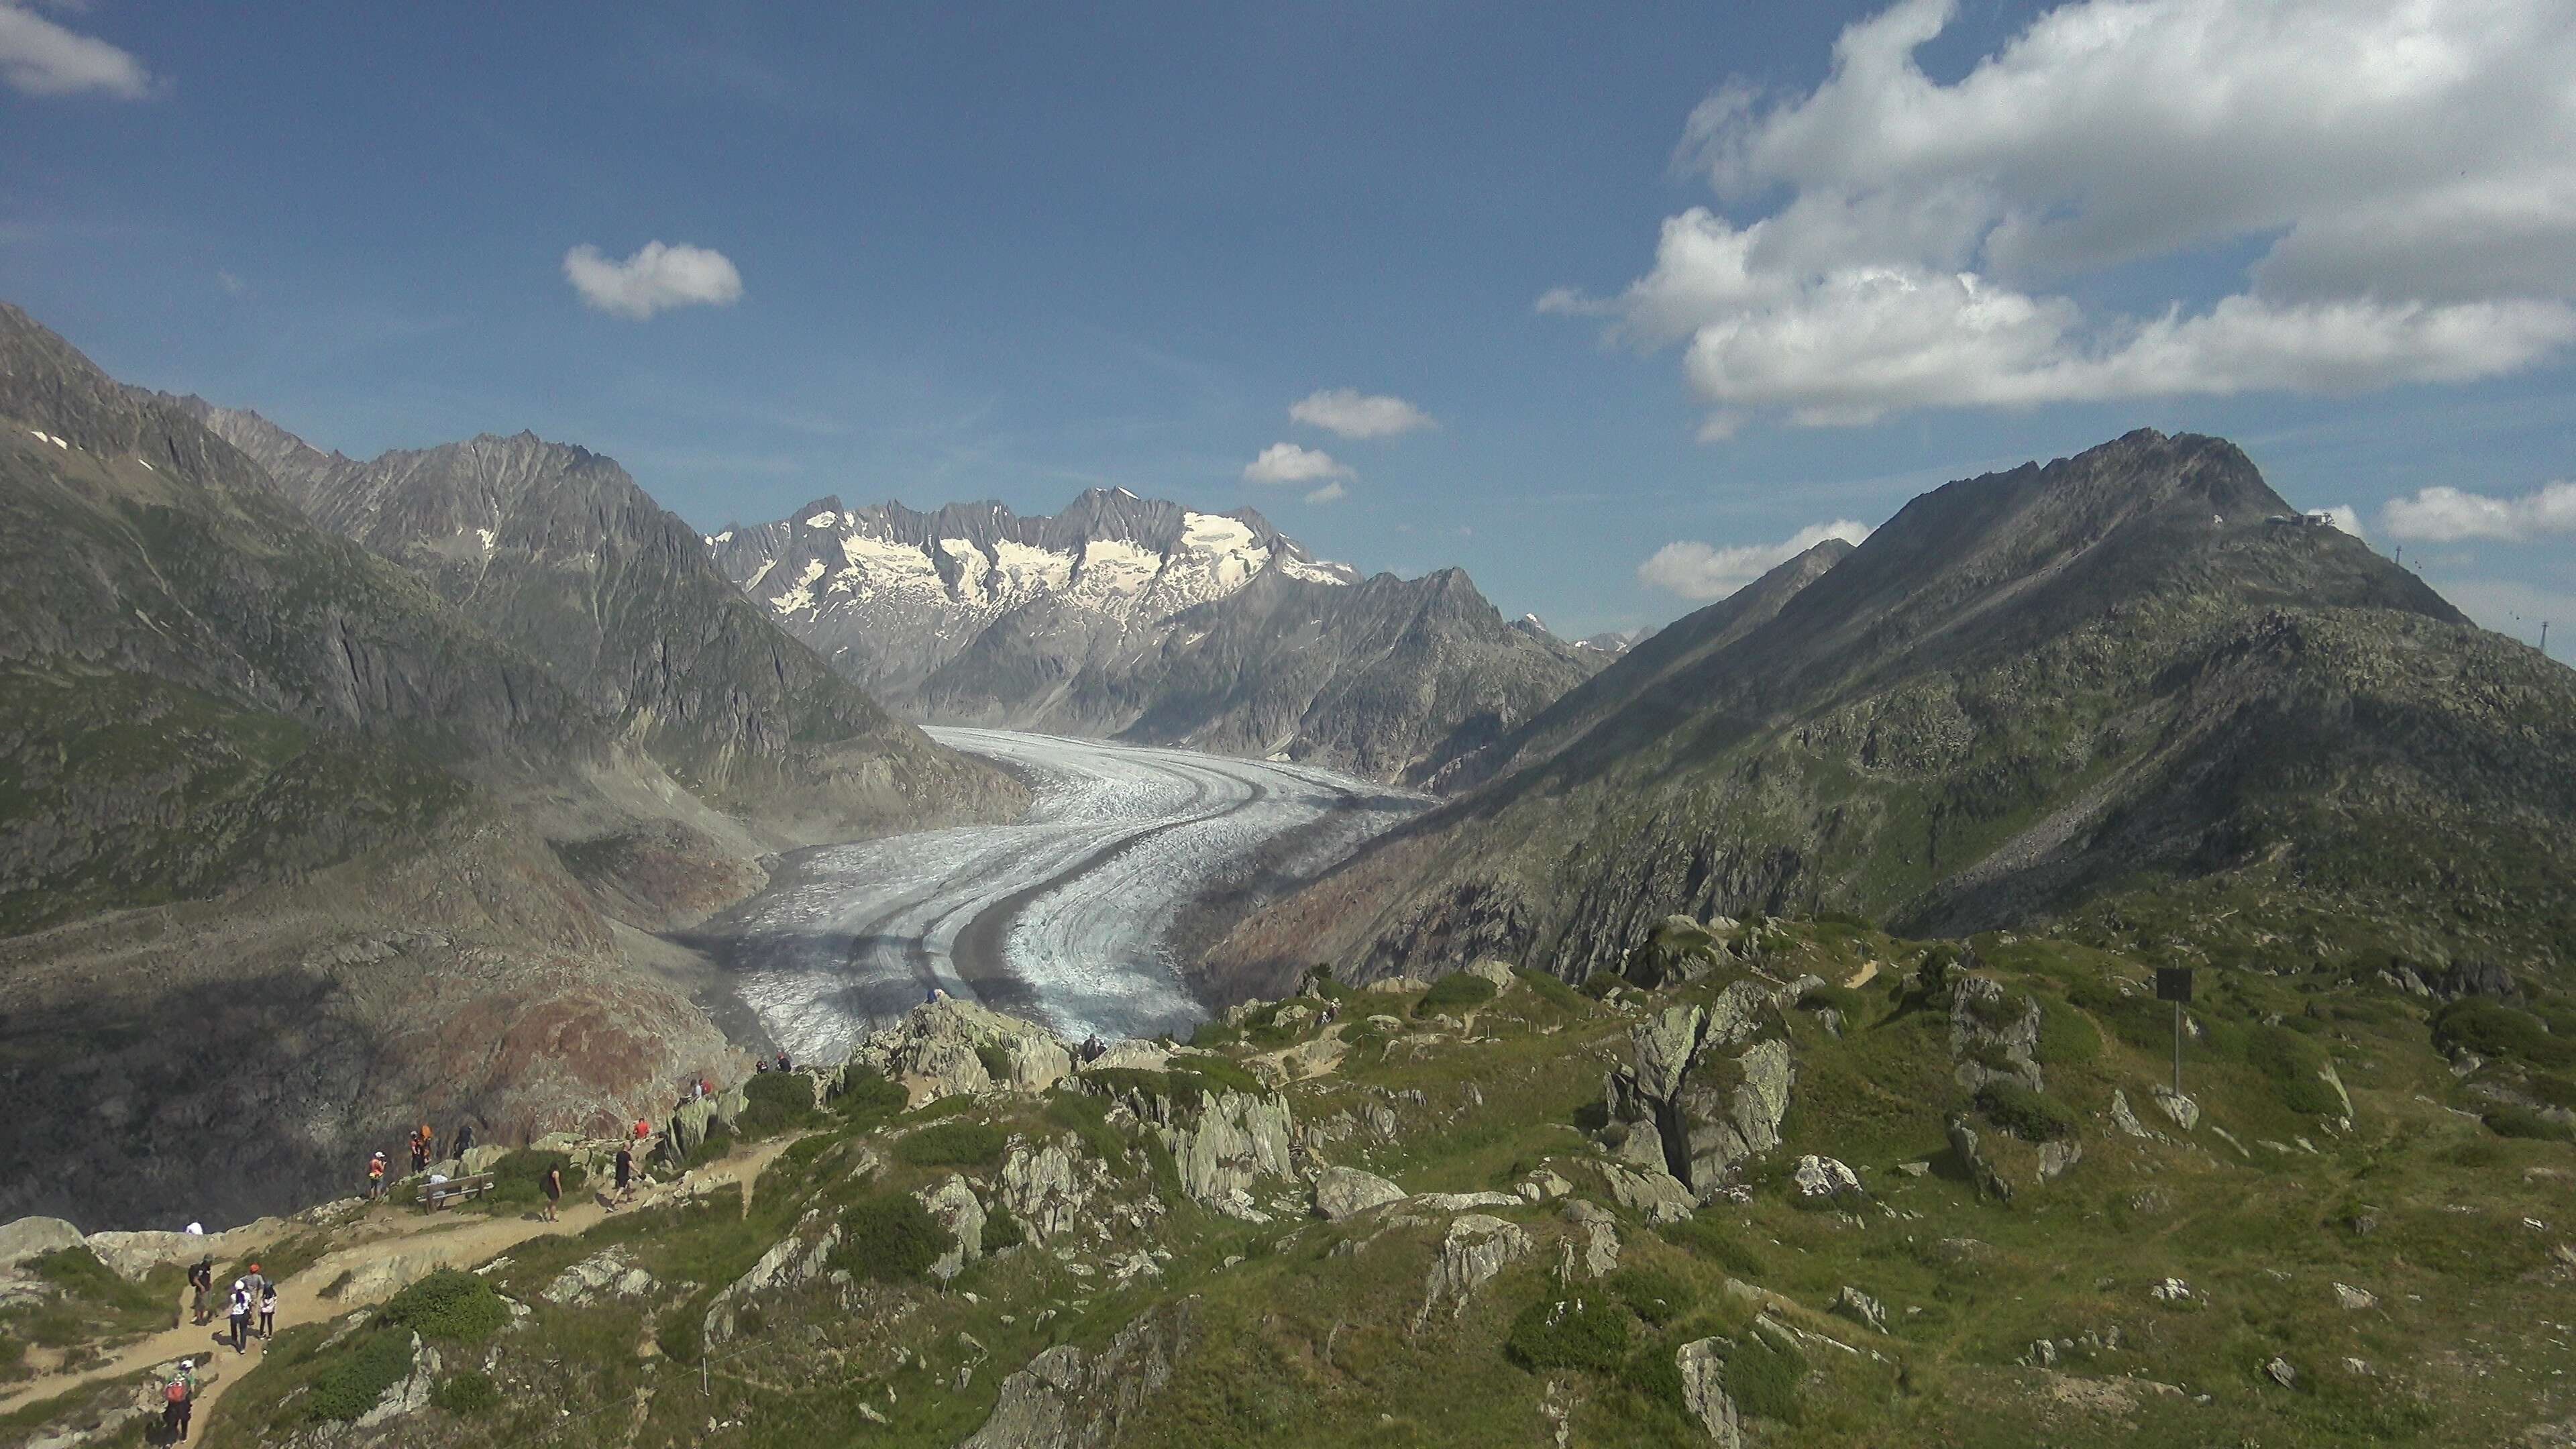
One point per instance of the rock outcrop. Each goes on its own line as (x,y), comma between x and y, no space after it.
(792,1261)
(954,1206)
(1691,1106)
(1475,1248)
(1233,1142)
(1070,1398)
(1342,1192)
(938,1050)
(1703,1368)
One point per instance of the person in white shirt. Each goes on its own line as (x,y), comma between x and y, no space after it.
(240,1315)
(267,1310)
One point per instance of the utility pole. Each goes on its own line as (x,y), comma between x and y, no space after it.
(2544,638)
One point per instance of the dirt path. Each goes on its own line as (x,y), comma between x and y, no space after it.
(1867,973)
(424,1243)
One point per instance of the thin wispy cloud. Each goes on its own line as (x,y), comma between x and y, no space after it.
(1330,493)
(2449,515)
(2409,169)
(1349,413)
(1289,463)
(1704,572)
(39,57)
(655,279)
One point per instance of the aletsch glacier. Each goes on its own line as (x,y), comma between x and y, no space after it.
(1066,914)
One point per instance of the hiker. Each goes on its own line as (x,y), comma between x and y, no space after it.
(464,1138)
(625,1170)
(178,1402)
(201,1283)
(760,1066)
(782,1062)
(554,1191)
(267,1311)
(240,1315)
(375,1176)
(428,1145)
(1092,1048)
(643,1129)
(255,1283)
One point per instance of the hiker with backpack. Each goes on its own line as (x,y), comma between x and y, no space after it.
(625,1170)
(376,1175)
(267,1311)
(554,1191)
(201,1283)
(240,1317)
(178,1402)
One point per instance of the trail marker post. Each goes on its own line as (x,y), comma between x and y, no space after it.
(2173,983)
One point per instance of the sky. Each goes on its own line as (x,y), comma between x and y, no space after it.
(1613,306)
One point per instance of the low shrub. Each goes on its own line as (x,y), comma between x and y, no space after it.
(1851,1005)
(891,1238)
(1600,984)
(996,1059)
(2526,1123)
(1550,990)
(1454,992)
(952,1144)
(351,1384)
(1703,1238)
(1551,1334)
(518,1180)
(777,1102)
(866,1094)
(471,1392)
(80,1274)
(2028,1115)
(1763,1377)
(1001,1230)
(450,1304)
(2493,1030)
(1652,1294)
(1087,1117)
(2000,1011)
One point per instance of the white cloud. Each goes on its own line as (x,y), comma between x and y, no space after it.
(41,58)
(1349,413)
(2409,168)
(1332,492)
(1699,571)
(2448,515)
(655,279)
(1288,463)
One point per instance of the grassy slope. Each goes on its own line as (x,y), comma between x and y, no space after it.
(1310,1338)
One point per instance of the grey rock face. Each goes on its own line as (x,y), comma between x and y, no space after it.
(1860,1308)
(1703,1366)
(1068,1398)
(1475,1248)
(609,1273)
(955,1207)
(28,1237)
(2183,1110)
(1992,1037)
(1342,1192)
(936,1049)
(1599,1255)
(791,1262)
(1682,1105)
(1233,1142)
(1048,1188)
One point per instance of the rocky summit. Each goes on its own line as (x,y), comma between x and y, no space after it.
(1147,621)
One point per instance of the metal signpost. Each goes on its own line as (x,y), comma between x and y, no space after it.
(2173,983)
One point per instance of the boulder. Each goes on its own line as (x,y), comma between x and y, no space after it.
(481,1159)
(729,1104)
(1661,1048)
(1703,1368)
(1860,1308)
(1132,1055)
(1656,1195)
(2171,1290)
(2125,1119)
(1965,1142)
(2183,1110)
(1499,973)
(1824,1177)
(609,1273)
(2355,1299)
(2056,1157)
(409,1394)
(956,1208)
(1070,1398)
(1990,1038)
(1342,1192)
(1599,1234)
(791,1262)
(30,1237)
(1475,1248)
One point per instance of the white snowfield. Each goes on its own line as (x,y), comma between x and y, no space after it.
(1065,915)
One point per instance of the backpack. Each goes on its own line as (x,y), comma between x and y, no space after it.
(177,1393)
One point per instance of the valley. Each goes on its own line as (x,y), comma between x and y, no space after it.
(1069,915)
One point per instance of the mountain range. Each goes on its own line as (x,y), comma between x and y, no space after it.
(2131,692)
(1149,621)
(303,835)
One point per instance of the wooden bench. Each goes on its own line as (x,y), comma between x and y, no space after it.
(437,1195)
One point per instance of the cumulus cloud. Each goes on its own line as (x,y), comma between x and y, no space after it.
(1288,463)
(655,279)
(2448,515)
(2408,169)
(1329,493)
(1347,412)
(2346,518)
(1700,571)
(41,58)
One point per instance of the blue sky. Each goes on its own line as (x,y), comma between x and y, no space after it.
(1670,284)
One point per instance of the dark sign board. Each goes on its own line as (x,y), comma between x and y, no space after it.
(2173,983)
